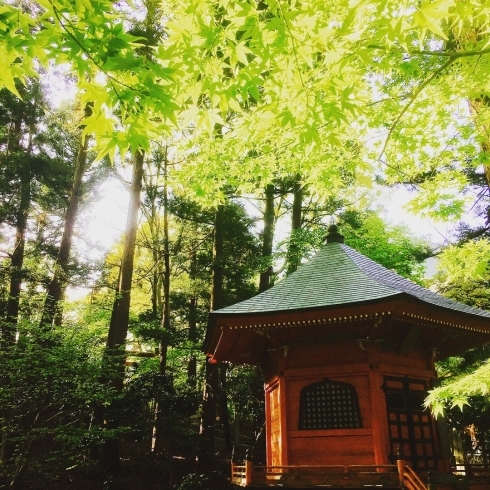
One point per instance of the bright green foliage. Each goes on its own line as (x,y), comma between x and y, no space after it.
(457,393)
(463,276)
(465,263)
(50,385)
(289,86)
(464,395)
(393,246)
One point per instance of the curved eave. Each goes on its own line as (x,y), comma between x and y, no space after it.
(288,317)
(225,330)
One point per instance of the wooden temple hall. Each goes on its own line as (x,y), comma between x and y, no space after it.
(348,348)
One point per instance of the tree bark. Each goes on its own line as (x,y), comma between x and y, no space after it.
(9,325)
(17,260)
(158,442)
(166,271)
(192,335)
(268,238)
(223,410)
(118,328)
(211,388)
(292,257)
(56,287)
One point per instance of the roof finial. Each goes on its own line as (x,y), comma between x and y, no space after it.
(333,235)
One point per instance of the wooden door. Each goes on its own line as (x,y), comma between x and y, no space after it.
(410,424)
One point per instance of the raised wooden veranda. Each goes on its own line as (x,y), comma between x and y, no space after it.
(399,476)
(326,476)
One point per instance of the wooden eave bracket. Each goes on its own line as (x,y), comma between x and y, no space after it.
(410,339)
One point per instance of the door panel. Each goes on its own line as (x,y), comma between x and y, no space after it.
(410,424)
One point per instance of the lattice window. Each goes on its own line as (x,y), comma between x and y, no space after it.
(329,405)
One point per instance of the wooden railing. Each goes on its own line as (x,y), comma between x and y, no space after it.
(315,475)
(411,480)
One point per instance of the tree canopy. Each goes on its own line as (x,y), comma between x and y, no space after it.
(383,75)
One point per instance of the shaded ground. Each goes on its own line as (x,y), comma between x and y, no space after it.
(139,470)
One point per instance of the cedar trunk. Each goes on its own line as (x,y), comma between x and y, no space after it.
(268,238)
(118,328)
(56,287)
(158,442)
(292,258)
(211,388)
(9,327)
(192,336)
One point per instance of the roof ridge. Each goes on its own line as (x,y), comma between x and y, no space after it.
(397,282)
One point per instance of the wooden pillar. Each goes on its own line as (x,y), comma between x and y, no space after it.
(268,435)
(400,464)
(284,422)
(248,469)
(378,407)
(276,423)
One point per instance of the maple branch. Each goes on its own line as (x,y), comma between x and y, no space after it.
(414,95)
(446,54)
(293,40)
(111,78)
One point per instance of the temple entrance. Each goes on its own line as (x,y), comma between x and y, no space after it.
(410,424)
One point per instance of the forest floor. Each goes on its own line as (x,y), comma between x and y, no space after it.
(139,470)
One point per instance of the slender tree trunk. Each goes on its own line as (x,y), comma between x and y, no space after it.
(223,409)
(192,336)
(211,389)
(9,326)
(56,287)
(166,271)
(292,257)
(268,238)
(17,260)
(264,284)
(158,442)
(118,328)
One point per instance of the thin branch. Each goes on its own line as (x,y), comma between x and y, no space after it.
(446,54)
(293,39)
(94,61)
(414,95)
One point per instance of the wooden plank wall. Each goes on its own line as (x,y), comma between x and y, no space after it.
(363,367)
(311,364)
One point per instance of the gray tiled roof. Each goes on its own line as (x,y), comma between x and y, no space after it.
(339,275)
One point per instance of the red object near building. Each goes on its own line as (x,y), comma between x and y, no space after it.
(348,349)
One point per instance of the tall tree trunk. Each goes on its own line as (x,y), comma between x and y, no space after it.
(223,409)
(268,238)
(9,325)
(264,284)
(158,442)
(166,271)
(17,260)
(118,328)
(292,258)
(56,287)
(211,388)
(192,335)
